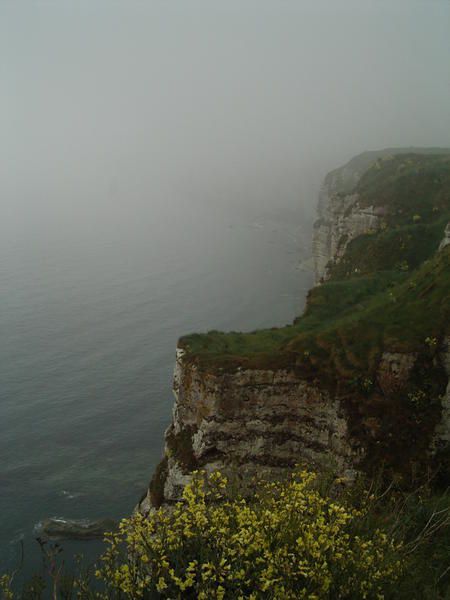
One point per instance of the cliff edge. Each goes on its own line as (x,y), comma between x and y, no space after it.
(341,217)
(360,381)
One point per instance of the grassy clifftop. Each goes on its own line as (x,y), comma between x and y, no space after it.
(391,290)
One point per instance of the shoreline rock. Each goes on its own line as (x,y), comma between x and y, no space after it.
(59,528)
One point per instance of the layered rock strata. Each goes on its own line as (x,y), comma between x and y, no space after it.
(250,423)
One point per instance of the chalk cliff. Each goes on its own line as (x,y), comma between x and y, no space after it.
(341,218)
(251,422)
(359,381)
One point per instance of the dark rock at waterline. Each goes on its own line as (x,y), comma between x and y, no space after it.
(75,529)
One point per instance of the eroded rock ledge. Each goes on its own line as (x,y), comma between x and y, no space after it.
(249,423)
(262,423)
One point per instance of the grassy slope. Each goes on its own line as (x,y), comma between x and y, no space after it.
(391,290)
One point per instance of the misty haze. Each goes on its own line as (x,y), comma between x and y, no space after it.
(160,167)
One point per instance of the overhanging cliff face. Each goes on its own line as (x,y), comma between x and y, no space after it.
(254,421)
(249,423)
(261,423)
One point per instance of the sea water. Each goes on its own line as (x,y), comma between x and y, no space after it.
(89,320)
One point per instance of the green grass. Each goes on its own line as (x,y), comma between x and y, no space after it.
(390,290)
(399,248)
(407,185)
(346,325)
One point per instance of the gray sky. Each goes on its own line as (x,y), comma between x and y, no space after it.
(107,105)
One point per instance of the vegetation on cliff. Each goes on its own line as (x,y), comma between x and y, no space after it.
(388,295)
(307,537)
(288,541)
(383,272)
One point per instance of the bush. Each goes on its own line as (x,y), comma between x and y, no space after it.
(304,538)
(287,541)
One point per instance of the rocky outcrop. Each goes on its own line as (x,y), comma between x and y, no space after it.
(58,528)
(341,220)
(340,216)
(262,423)
(251,423)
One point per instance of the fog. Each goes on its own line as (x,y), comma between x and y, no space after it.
(112,113)
(159,170)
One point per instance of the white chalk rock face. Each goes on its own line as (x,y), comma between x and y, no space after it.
(251,423)
(341,219)
(446,240)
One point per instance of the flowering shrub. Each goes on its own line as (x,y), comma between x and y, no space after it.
(287,541)
(5,587)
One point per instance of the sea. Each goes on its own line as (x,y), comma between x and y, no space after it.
(90,314)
